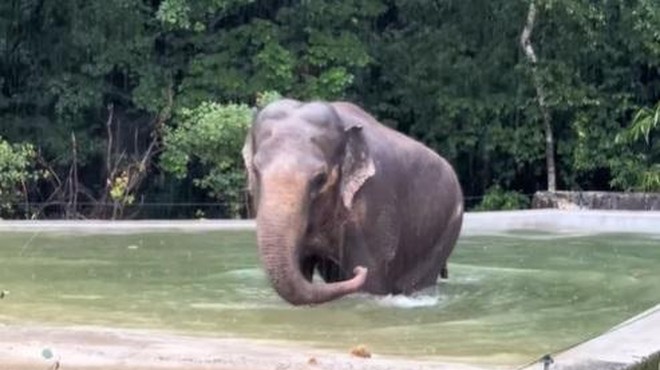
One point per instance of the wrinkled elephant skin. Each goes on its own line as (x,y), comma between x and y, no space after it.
(337,192)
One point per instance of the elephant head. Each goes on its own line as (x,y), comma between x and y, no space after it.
(305,165)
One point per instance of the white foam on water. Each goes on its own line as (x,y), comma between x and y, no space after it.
(88,297)
(246,273)
(545,236)
(226,306)
(403,301)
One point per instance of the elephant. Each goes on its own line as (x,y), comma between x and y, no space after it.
(335,191)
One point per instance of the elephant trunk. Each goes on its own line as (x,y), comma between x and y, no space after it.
(281,225)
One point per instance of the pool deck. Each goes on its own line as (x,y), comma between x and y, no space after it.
(578,221)
(617,348)
(79,347)
(573,221)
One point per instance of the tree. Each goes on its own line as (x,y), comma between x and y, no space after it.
(98,88)
(526,44)
(448,73)
(67,61)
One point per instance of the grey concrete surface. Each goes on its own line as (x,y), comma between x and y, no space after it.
(597,200)
(124,349)
(624,345)
(124,226)
(553,220)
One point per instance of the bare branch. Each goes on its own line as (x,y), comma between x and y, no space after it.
(74,145)
(528,49)
(108,125)
(526,35)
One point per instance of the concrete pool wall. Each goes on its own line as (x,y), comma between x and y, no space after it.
(475,223)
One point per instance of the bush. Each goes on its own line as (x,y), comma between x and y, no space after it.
(497,199)
(637,168)
(15,171)
(211,134)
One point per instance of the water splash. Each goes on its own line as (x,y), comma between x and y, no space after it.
(216,306)
(415,301)
(244,273)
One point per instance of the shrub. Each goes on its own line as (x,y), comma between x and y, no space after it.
(497,198)
(15,171)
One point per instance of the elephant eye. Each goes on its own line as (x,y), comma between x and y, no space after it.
(319,180)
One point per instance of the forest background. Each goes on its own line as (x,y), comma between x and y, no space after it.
(138,108)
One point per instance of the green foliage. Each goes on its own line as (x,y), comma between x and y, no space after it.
(497,199)
(639,169)
(191,15)
(267,97)
(453,75)
(16,169)
(175,13)
(213,135)
(307,50)
(119,191)
(645,121)
(449,73)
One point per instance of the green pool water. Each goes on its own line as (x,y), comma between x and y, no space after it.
(510,297)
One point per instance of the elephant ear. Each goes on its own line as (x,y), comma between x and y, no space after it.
(247,153)
(357,166)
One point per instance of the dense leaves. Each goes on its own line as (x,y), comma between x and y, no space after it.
(497,199)
(213,134)
(640,168)
(15,172)
(127,102)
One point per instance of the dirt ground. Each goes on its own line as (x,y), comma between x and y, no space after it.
(26,348)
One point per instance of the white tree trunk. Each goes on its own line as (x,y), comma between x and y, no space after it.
(526,44)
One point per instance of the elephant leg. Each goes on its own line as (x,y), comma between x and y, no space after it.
(433,264)
(372,240)
(307,268)
(330,271)
(363,250)
(444,272)
(424,276)
(327,269)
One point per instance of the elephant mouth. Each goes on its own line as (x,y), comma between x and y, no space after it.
(326,268)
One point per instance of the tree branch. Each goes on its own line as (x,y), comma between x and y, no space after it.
(525,37)
(528,49)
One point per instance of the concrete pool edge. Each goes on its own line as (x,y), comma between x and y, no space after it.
(618,348)
(85,347)
(554,220)
(475,223)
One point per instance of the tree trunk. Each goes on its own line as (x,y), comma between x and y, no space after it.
(526,44)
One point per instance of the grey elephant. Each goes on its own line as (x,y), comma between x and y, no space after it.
(337,192)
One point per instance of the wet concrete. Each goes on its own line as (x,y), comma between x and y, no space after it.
(475,223)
